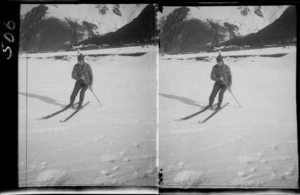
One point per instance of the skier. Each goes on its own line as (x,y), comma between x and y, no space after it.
(221,74)
(82,73)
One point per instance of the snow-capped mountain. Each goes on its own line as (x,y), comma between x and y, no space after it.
(105,17)
(248,19)
(282,30)
(53,26)
(189,29)
(142,29)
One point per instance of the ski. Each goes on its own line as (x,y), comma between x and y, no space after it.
(66,119)
(194,114)
(56,113)
(215,112)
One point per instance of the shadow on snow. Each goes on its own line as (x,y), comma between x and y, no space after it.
(182,99)
(42,98)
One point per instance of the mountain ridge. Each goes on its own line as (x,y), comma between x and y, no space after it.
(195,29)
(59,27)
(141,29)
(281,30)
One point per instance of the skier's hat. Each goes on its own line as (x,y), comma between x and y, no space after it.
(219,58)
(80,57)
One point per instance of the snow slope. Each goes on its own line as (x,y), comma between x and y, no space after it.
(252,146)
(112,145)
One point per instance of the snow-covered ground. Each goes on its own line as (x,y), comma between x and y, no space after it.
(110,145)
(245,53)
(251,146)
(109,51)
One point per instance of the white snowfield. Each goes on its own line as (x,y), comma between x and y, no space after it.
(110,51)
(251,146)
(252,52)
(115,145)
(109,145)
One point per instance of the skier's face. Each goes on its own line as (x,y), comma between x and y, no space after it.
(220,63)
(80,62)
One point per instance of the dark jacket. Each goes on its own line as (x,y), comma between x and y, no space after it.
(85,71)
(223,71)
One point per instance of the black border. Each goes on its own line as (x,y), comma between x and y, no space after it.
(9,10)
(10,93)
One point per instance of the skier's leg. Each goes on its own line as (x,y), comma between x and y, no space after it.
(221,95)
(82,92)
(213,94)
(75,92)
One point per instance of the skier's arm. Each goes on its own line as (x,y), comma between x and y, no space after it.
(91,76)
(229,77)
(74,74)
(213,75)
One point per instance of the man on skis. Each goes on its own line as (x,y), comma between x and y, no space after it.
(82,73)
(221,74)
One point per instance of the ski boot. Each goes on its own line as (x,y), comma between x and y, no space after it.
(71,105)
(218,107)
(79,106)
(208,107)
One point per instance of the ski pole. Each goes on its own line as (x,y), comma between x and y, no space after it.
(92,91)
(233,95)
(95,95)
(235,99)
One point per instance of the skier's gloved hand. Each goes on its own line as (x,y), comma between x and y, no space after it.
(81,77)
(229,89)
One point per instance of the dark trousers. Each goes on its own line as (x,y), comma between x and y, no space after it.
(78,85)
(217,87)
